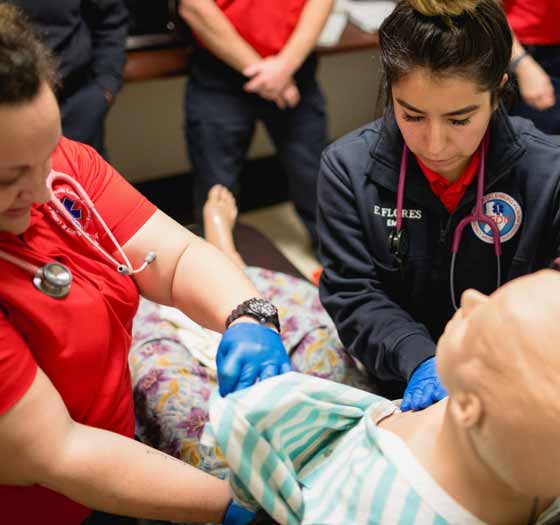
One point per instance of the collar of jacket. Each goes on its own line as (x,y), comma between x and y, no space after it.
(505,150)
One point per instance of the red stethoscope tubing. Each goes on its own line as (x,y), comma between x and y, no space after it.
(477,215)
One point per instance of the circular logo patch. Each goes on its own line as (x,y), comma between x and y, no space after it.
(77,209)
(504,211)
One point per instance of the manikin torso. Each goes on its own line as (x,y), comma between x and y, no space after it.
(449,461)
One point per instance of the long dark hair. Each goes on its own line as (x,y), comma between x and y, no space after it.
(470,38)
(25,62)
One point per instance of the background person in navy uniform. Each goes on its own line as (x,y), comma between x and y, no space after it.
(88,37)
(444,90)
(255,62)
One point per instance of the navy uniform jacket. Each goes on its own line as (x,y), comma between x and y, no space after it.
(87,36)
(387,315)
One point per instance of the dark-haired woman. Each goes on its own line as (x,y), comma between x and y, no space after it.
(443,193)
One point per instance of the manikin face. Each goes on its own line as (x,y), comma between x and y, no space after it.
(503,350)
(29,134)
(442,119)
(453,346)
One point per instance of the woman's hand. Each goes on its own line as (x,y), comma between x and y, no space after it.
(247,352)
(424,388)
(534,84)
(237,515)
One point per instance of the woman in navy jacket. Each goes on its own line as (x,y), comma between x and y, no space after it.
(446,70)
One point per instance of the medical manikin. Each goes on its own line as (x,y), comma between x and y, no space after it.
(311,451)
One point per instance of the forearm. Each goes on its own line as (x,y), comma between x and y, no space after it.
(217,33)
(108,472)
(304,38)
(207,286)
(517,48)
(377,331)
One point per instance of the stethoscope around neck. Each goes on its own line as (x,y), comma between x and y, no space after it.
(398,238)
(54,278)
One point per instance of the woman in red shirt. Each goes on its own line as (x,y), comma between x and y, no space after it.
(66,410)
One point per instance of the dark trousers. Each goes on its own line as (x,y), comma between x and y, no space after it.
(548,120)
(220,123)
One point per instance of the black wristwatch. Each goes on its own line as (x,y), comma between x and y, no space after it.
(263,311)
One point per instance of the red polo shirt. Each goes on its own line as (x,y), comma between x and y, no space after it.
(451,193)
(265,24)
(534,22)
(81,342)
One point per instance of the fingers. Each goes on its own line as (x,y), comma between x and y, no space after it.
(252,70)
(256,84)
(233,375)
(291,95)
(247,377)
(535,85)
(286,367)
(269,371)
(439,393)
(542,102)
(417,399)
(227,384)
(422,396)
(406,402)
(280,102)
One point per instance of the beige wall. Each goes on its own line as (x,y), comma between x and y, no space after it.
(145,127)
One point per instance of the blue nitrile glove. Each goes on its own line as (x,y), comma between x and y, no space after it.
(424,387)
(247,352)
(237,515)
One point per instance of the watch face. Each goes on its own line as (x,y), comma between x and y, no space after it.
(263,308)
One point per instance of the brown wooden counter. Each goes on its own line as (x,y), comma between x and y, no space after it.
(161,63)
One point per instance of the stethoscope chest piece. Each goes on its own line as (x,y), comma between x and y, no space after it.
(53,279)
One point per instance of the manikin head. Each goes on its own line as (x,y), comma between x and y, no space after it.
(445,64)
(499,359)
(30,120)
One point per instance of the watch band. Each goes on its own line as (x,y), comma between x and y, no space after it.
(515,62)
(261,310)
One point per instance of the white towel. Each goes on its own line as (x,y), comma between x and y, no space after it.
(201,342)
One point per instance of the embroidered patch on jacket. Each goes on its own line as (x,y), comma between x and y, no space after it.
(75,206)
(505,211)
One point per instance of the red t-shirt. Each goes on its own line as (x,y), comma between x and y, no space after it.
(534,22)
(81,342)
(265,24)
(451,193)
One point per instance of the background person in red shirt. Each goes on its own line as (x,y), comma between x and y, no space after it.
(255,62)
(536,60)
(66,408)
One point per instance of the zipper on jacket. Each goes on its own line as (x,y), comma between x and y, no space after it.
(442,242)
